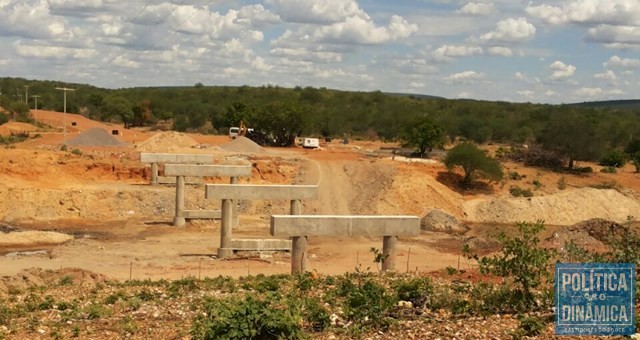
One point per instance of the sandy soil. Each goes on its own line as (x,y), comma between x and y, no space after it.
(121,227)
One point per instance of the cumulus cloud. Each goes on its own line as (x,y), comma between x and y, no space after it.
(52,52)
(510,31)
(477,8)
(316,11)
(615,12)
(589,92)
(31,19)
(526,93)
(448,52)
(464,77)
(561,71)
(500,51)
(608,75)
(615,36)
(625,63)
(359,30)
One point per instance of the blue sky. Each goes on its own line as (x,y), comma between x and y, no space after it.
(548,51)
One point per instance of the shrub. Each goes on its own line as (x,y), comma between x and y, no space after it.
(537,184)
(605,185)
(562,183)
(609,170)
(76,152)
(474,162)
(516,191)
(66,280)
(250,317)
(316,315)
(521,261)
(530,326)
(368,303)
(614,158)
(515,176)
(416,290)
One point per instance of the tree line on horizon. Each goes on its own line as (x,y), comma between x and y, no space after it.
(580,132)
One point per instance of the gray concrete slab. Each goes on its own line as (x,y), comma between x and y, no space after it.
(172,180)
(260,244)
(207,170)
(347,226)
(258,192)
(175,158)
(201,214)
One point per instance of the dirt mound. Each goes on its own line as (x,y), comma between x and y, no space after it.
(16,127)
(166,142)
(243,145)
(95,137)
(561,238)
(599,228)
(439,221)
(38,277)
(564,208)
(24,238)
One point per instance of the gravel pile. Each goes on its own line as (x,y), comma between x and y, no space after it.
(95,137)
(243,145)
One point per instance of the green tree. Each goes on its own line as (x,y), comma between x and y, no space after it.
(424,134)
(20,111)
(283,121)
(474,162)
(573,136)
(119,107)
(633,151)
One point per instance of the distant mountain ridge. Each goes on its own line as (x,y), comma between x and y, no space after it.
(611,104)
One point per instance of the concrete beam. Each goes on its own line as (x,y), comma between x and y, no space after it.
(175,158)
(260,244)
(260,192)
(201,214)
(172,180)
(346,226)
(207,170)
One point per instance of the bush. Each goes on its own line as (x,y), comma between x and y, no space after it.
(515,176)
(368,303)
(614,158)
(474,162)
(609,170)
(516,191)
(76,152)
(521,261)
(268,317)
(416,290)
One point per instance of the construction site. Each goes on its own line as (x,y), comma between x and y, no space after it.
(93,206)
(107,231)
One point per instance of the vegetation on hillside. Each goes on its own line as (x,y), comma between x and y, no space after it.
(575,132)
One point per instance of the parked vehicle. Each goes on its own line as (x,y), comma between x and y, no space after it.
(311,143)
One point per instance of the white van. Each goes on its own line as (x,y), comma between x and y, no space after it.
(233,132)
(311,143)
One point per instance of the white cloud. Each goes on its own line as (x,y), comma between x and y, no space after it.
(519,76)
(259,64)
(616,92)
(448,52)
(358,30)
(615,12)
(608,75)
(625,63)
(589,92)
(316,11)
(614,36)
(561,70)
(464,77)
(477,8)
(31,19)
(510,31)
(124,61)
(500,51)
(526,93)
(52,52)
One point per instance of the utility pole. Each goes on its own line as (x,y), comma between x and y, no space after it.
(35,98)
(26,94)
(64,89)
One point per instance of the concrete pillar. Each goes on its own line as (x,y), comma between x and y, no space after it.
(389,251)
(154,173)
(225,250)
(178,219)
(299,244)
(234,204)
